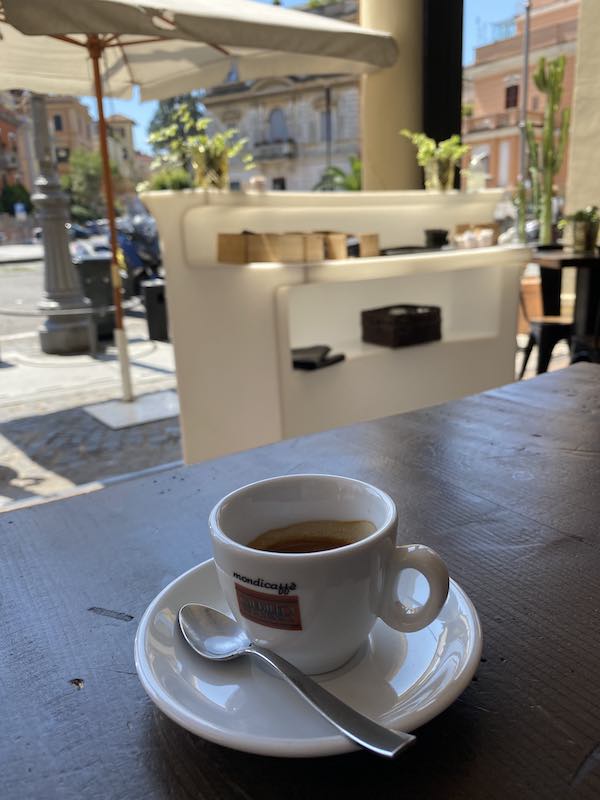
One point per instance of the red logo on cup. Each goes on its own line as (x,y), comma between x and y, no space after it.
(272,610)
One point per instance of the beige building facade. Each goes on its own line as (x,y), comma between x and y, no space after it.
(120,146)
(9,155)
(492,89)
(17,158)
(71,128)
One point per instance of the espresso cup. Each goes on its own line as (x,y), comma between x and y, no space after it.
(317,608)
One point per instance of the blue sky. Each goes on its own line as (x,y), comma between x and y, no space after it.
(479,16)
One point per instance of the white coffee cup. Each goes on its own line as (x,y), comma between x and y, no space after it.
(316,609)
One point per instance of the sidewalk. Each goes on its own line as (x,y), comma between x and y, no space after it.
(49,444)
(13,253)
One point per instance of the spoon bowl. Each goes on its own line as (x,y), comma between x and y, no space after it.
(217,637)
(211,633)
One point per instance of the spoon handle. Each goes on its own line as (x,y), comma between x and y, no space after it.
(354,725)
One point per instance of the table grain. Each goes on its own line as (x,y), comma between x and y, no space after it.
(505,485)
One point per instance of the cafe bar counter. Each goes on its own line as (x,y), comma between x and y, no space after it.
(233,326)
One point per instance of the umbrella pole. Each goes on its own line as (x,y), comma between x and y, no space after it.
(95,50)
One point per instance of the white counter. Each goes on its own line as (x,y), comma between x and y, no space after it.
(233,326)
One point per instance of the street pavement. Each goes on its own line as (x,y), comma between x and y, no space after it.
(13,253)
(21,287)
(48,443)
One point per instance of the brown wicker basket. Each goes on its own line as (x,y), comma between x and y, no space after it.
(401,325)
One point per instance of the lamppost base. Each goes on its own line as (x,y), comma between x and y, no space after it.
(65,335)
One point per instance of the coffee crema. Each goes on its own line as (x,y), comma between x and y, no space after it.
(313,536)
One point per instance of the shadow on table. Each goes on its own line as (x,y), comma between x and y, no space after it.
(197,765)
(74,445)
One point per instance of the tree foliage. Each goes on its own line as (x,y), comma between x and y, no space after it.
(174,178)
(168,114)
(14,193)
(84,184)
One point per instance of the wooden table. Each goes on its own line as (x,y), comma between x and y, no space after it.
(587,294)
(505,485)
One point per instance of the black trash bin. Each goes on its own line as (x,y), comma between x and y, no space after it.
(156,309)
(94,274)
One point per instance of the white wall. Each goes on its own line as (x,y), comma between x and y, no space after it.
(584,152)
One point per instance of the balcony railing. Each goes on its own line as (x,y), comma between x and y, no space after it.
(559,33)
(269,151)
(503,119)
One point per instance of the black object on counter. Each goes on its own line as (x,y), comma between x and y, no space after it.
(436,238)
(401,325)
(353,245)
(316,357)
(408,249)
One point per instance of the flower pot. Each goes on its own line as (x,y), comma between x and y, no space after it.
(432,181)
(585,235)
(446,173)
(439,174)
(212,171)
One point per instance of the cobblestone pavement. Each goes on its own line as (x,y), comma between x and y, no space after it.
(48,454)
(49,444)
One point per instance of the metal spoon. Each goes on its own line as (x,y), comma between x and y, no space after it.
(219,638)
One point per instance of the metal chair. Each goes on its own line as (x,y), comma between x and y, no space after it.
(545,332)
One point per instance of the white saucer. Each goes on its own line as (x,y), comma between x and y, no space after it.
(400,680)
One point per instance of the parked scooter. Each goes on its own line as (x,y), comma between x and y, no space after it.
(138,239)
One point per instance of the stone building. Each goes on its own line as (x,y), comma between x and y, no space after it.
(71,128)
(143,166)
(296,126)
(492,87)
(120,147)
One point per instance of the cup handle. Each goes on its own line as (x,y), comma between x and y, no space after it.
(429,564)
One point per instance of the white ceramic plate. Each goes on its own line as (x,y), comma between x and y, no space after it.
(400,680)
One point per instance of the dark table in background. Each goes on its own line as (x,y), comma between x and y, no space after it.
(587,294)
(505,485)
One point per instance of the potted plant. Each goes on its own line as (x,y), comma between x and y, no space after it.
(206,156)
(438,159)
(546,157)
(335,179)
(585,224)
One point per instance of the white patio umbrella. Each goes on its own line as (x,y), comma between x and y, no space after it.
(167,47)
